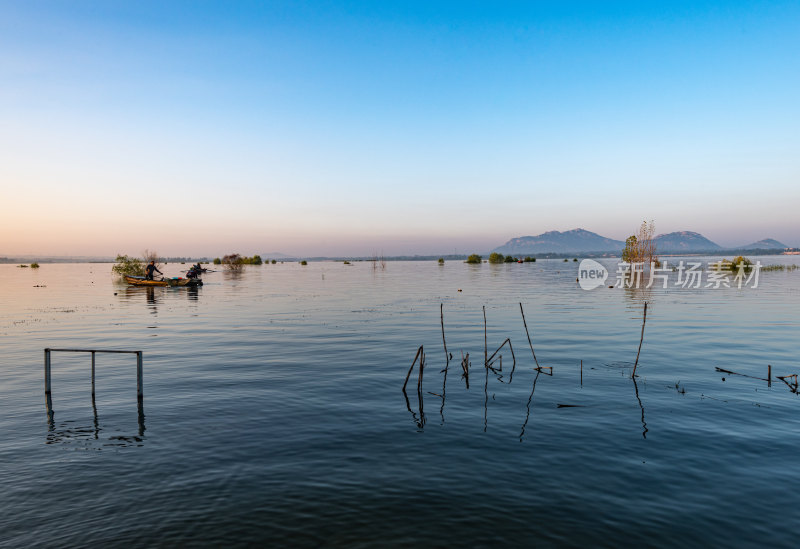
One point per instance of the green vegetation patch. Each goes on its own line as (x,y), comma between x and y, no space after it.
(128,266)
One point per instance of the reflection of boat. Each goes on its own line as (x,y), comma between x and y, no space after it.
(179,281)
(142,281)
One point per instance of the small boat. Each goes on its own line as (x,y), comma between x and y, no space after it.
(176,282)
(142,281)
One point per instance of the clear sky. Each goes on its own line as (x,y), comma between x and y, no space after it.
(325,128)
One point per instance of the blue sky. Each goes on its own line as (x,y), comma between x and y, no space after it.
(413,127)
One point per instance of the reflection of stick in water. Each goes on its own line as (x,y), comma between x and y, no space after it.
(421,356)
(530,399)
(486,399)
(485,345)
(644,423)
(419,423)
(644,319)
(465,367)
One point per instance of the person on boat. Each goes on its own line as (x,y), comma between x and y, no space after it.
(148,271)
(194,271)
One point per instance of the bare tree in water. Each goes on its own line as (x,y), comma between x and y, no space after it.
(233,262)
(378,261)
(641,247)
(151,255)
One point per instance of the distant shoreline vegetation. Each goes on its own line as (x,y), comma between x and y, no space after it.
(610,254)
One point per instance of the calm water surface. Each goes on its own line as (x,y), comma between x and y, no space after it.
(273,411)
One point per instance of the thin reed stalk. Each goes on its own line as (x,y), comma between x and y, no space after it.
(418,355)
(528,334)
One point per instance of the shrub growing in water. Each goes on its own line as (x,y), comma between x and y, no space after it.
(530,259)
(441,261)
(304,262)
(734,265)
(510,259)
(495,257)
(474,259)
(217,261)
(128,266)
(34,265)
(233,262)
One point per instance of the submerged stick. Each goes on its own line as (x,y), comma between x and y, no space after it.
(644,319)
(581,372)
(730,372)
(419,352)
(528,334)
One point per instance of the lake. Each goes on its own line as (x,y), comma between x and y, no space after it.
(273,412)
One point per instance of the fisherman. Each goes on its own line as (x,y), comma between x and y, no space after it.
(194,271)
(149,270)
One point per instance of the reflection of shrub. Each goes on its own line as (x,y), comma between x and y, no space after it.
(217,261)
(128,266)
(495,257)
(780,268)
(474,259)
(34,265)
(510,259)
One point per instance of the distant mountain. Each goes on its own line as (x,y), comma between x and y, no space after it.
(684,241)
(766,244)
(576,240)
